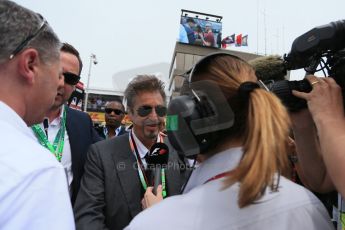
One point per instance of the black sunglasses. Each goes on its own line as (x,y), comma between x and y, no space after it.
(24,43)
(145,110)
(116,111)
(71,78)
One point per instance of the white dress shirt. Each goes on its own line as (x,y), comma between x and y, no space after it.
(106,131)
(33,186)
(142,150)
(66,159)
(207,206)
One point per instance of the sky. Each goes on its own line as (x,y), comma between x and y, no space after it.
(129,34)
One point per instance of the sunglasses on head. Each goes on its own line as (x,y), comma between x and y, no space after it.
(116,111)
(145,110)
(29,38)
(71,78)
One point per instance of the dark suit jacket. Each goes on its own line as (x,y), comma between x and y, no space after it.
(110,193)
(81,135)
(100,131)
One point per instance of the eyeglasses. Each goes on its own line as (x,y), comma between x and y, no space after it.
(145,110)
(71,78)
(116,111)
(21,46)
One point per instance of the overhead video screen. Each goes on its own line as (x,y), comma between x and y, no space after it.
(195,30)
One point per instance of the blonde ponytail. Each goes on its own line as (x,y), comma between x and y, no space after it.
(261,122)
(265,147)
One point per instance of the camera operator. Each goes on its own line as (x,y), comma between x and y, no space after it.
(320,136)
(271,69)
(325,104)
(308,146)
(236,184)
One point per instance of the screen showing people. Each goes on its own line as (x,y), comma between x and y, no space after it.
(202,32)
(76,99)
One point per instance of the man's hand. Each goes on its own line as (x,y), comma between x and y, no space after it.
(151,199)
(321,154)
(325,101)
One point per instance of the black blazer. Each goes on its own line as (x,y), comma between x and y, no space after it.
(81,135)
(100,131)
(110,192)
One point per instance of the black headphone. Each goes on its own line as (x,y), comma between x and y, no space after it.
(194,120)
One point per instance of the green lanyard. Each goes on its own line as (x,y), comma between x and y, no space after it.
(142,177)
(57,147)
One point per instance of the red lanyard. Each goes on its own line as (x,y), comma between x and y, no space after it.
(141,169)
(218,176)
(134,149)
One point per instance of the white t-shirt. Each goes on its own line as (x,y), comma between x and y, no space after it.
(33,186)
(207,206)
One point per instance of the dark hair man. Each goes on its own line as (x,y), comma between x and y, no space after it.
(189,27)
(114,180)
(114,114)
(69,132)
(33,188)
(209,36)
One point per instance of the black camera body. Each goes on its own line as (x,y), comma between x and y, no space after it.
(322,46)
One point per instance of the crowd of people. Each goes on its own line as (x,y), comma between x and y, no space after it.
(59,172)
(193,33)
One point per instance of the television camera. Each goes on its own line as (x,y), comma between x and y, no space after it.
(323,47)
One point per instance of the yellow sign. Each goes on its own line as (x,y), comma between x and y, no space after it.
(97,117)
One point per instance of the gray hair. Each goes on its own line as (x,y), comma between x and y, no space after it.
(17,24)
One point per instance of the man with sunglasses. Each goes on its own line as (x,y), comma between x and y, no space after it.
(67,132)
(114,114)
(115,177)
(33,188)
